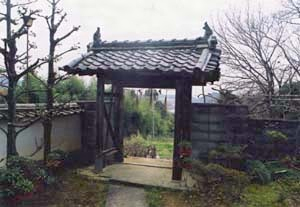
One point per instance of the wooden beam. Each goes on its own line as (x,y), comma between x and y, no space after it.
(183,104)
(99,161)
(141,80)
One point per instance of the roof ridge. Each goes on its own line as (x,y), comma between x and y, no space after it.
(146,44)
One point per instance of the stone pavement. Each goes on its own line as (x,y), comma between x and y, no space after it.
(125,196)
(141,172)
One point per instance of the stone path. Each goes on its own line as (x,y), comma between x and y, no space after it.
(141,172)
(125,196)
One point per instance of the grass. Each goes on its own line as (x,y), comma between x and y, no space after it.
(153,197)
(164,147)
(157,197)
(137,144)
(70,190)
(282,193)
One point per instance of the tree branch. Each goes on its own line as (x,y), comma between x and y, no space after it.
(56,41)
(24,126)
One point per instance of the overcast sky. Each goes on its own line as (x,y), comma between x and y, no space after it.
(138,19)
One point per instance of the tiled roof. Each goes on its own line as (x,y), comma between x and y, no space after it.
(175,56)
(27,112)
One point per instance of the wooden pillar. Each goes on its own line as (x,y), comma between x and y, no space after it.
(118,110)
(183,104)
(99,161)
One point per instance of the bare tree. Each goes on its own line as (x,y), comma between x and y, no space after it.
(290,14)
(54,21)
(15,68)
(251,45)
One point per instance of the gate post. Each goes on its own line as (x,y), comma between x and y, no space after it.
(183,104)
(118,110)
(99,160)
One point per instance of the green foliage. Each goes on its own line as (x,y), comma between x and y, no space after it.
(225,174)
(262,196)
(28,168)
(214,179)
(139,116)
(36,89)
(164,147)
(230,156)
(276,135)
(258,170)
(136,146)
(72,89)
(227,151)
(282,169)
(282,193)
(154,198)
(13,182)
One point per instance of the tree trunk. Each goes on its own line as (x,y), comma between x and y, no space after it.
(11,130)
(11,93)
(47,123)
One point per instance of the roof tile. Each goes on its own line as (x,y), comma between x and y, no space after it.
(164,56)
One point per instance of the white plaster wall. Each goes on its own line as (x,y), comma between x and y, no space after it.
(66,135)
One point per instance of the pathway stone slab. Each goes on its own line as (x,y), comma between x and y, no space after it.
(125,196)
(160,163)
(141,175)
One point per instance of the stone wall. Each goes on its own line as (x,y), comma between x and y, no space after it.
(214,124)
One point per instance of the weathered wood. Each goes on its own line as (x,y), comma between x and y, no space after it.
(109,151)
(110,129)
(118,109)
(182,121)
(108,109)
(99,162)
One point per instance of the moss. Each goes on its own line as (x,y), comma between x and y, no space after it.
(282,193)
(276,194)
(153,196)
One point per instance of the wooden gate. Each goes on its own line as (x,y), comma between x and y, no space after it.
(112,138)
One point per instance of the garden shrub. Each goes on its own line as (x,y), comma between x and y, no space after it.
(282,169)
(214,179)
(259,171)
(276,135)
(230,156)
(13,182)
(30,169)
(137,146)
